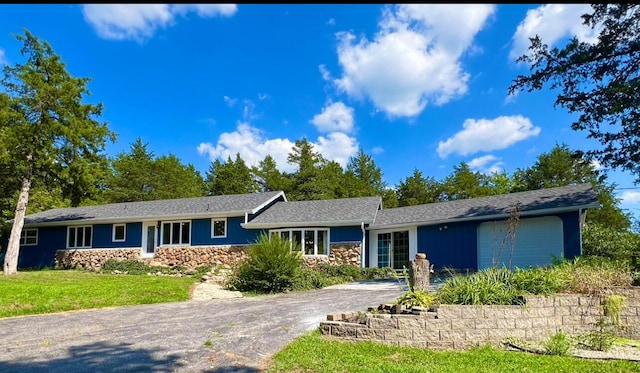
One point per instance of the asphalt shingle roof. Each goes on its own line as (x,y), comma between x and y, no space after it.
(561,197)
(343,210)
(236,203)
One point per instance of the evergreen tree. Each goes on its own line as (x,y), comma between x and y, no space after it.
(417,190)
(46,130)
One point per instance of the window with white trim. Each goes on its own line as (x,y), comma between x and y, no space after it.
(176,233)
(29,237)
(219,228)
(79,237)
(311,241)
(119,233)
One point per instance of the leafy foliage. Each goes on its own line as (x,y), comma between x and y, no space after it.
(600,240)
(270,267)
(230,177)
(558,344)
(416,298)
(600,81)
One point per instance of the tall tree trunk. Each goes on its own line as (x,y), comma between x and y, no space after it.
(13,248)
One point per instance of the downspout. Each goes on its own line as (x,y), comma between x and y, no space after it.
(582,215)
(363,263)
(246,217)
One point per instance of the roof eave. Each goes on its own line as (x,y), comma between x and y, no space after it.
(305,224)
(482,217)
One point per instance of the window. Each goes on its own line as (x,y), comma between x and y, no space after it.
(119,232)
(218,228)
(79,237)
(176,233)
(29,237)
(311,241)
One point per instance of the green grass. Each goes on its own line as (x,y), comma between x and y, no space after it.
(312,353)
(46,291)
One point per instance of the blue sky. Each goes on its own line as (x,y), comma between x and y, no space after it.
(415,86)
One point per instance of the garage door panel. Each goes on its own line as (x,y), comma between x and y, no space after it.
(537,240)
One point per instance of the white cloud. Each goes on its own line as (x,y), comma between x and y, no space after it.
(326,75)
(253,147)
(413,60)
(630,196)
(487,135)
(230,101)
(377,150)
(596,165)
(552,22)
(487,164)
(263,96)
(140,21)
(334,117)
(3,58)
(331,22)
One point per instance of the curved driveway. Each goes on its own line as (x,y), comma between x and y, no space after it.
(220,335)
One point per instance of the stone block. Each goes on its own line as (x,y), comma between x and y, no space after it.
(325,328)
(539,333)
(524,322)
(348,331)
(629,311)
(554,321)
(539,312)
(562,311)
(538,322)
(571,320)
(477,335)
(381,322)
(450,312)
(539,301)
(426,335)
(589,301)
(463,324)
(495,323)
(471,312)
(440,345)
(502,311)
(438,324)
(452,335)
(566,300)
(334,317)
(368,333)
(500,334)
(410,322)
(397,334)
(412,343)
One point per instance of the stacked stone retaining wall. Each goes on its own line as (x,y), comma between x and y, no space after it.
(461,327)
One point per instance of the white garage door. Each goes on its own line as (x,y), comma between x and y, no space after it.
(536,240)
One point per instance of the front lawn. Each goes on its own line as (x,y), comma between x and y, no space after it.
(46,291)
(313,353)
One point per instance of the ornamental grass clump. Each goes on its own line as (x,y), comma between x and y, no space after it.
(271,266)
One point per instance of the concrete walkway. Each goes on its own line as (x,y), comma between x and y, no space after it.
(220,335)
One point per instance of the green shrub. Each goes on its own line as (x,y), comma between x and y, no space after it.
(270,267)
(543,281)
(559,344)
(417,298)
(131,267)
(598,240)
(489,286)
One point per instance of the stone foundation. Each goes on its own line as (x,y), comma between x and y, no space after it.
(339,253)
(461,327)
(92,258)
(193,256)
(197,256)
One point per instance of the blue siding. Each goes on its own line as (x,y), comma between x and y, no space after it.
(50,239)
(571,231)
(236,235)
(103,236)
(455,247)
(346,234)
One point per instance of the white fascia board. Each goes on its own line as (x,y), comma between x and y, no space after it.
(303,224)
(264,204)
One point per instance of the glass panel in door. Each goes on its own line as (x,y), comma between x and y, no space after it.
(384,245)
(401,250)
(150,247)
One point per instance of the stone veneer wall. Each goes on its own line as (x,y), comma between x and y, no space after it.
(461,327)
(92,258)
(339,253)
(195,256)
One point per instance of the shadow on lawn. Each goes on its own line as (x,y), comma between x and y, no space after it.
(99,357)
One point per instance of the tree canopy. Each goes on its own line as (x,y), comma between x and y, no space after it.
(599,81)
(48,133)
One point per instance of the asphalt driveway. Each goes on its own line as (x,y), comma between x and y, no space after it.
(220,335)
